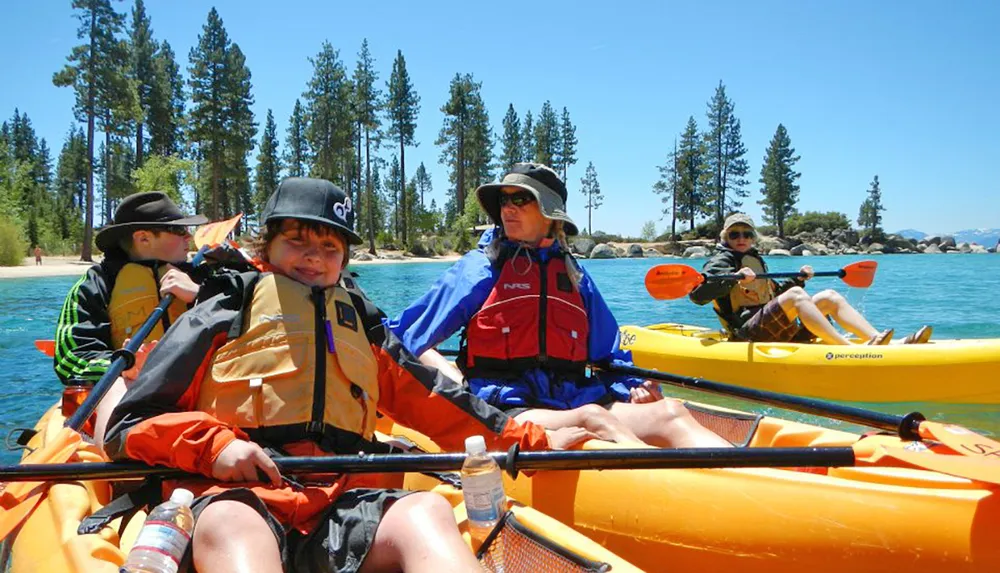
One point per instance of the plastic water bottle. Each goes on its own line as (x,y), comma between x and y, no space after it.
(482,487)
(164,537)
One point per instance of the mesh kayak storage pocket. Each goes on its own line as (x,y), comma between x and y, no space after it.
(513,548)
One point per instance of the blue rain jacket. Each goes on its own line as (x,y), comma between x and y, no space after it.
(463,289)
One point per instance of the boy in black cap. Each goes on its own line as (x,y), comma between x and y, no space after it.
(294,357)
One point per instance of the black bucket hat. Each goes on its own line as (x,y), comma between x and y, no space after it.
(541,181)
(312,200)
(143,211)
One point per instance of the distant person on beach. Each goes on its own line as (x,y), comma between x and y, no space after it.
(145,253)
(532,322)
(38,255)
(761,310)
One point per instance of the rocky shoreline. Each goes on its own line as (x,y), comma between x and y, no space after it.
(818,242)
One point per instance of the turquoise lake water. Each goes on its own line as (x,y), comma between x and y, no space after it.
(957,294)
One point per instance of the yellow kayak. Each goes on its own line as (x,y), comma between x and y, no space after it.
(945,371)
(771,520)
(48,542)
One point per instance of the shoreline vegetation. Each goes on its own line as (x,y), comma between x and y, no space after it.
(817,242)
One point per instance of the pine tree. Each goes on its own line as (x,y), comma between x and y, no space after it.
(296,146)
(593,198)
(528,137)
(669,186)
(222,122)
(209,82)
(394,191)
(327,116)
(166,105)
(143,70)
(268,173)
(99,25)
(870,215)
(510,142)
(70,184)
(724,161)
(422,179)
(547,136)
(367,102)
(778,178)
(691,181)
(402,108)
(467,140)
(568,143)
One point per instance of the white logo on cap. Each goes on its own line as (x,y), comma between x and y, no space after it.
(342,209)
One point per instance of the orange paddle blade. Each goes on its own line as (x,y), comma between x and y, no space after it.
(962,440)
(46,347)
(212,234)
(979,469)
(667,282)
(860,274)
(19,499)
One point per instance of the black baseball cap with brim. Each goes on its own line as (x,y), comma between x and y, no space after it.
(541,181)
(143,211)
(315,200)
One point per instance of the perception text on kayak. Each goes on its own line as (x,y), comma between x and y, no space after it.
(854,355)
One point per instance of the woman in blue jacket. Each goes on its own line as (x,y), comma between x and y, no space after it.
(532,320)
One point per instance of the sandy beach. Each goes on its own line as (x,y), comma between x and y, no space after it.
(69,266)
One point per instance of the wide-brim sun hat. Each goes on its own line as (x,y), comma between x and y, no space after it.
(315,200)
(541,181)
(150,210)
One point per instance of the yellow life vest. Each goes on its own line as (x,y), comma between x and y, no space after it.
(757,293)
(133,298)
(280,382)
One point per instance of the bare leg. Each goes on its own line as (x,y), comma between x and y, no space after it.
(667,424)
(219,548)
(434,359)
(104,409)
(418,535)
(591,417)
(831,303)
(798,304)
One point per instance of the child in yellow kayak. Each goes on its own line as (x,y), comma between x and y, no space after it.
(293,358)
(761,310)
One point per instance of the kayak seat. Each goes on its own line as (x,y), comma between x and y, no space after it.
(514,548)
(736,427)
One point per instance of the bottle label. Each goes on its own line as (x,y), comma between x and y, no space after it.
(164,538)
(484,497)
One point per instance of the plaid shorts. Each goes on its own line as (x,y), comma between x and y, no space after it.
(771,324)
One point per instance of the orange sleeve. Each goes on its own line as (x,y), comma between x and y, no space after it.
(190,441)
(422,398)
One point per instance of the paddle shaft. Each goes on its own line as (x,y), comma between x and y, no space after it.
(124,360)
(623,459)
(789,275)
(907,427)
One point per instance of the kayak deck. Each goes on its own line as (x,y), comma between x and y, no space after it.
(945,371)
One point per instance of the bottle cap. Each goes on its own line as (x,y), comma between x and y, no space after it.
(182,496)
(475,445)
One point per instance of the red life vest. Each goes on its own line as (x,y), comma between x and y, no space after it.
(533,317)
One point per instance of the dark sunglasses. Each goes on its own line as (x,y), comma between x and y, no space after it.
(178,230)
(519,199)
(733,235)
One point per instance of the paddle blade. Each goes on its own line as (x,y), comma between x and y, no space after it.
(860,274)
(212,234)
(962,440)
(979,469)
(667,282)
(46,347)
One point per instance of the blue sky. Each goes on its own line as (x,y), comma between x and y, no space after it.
(898,89)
